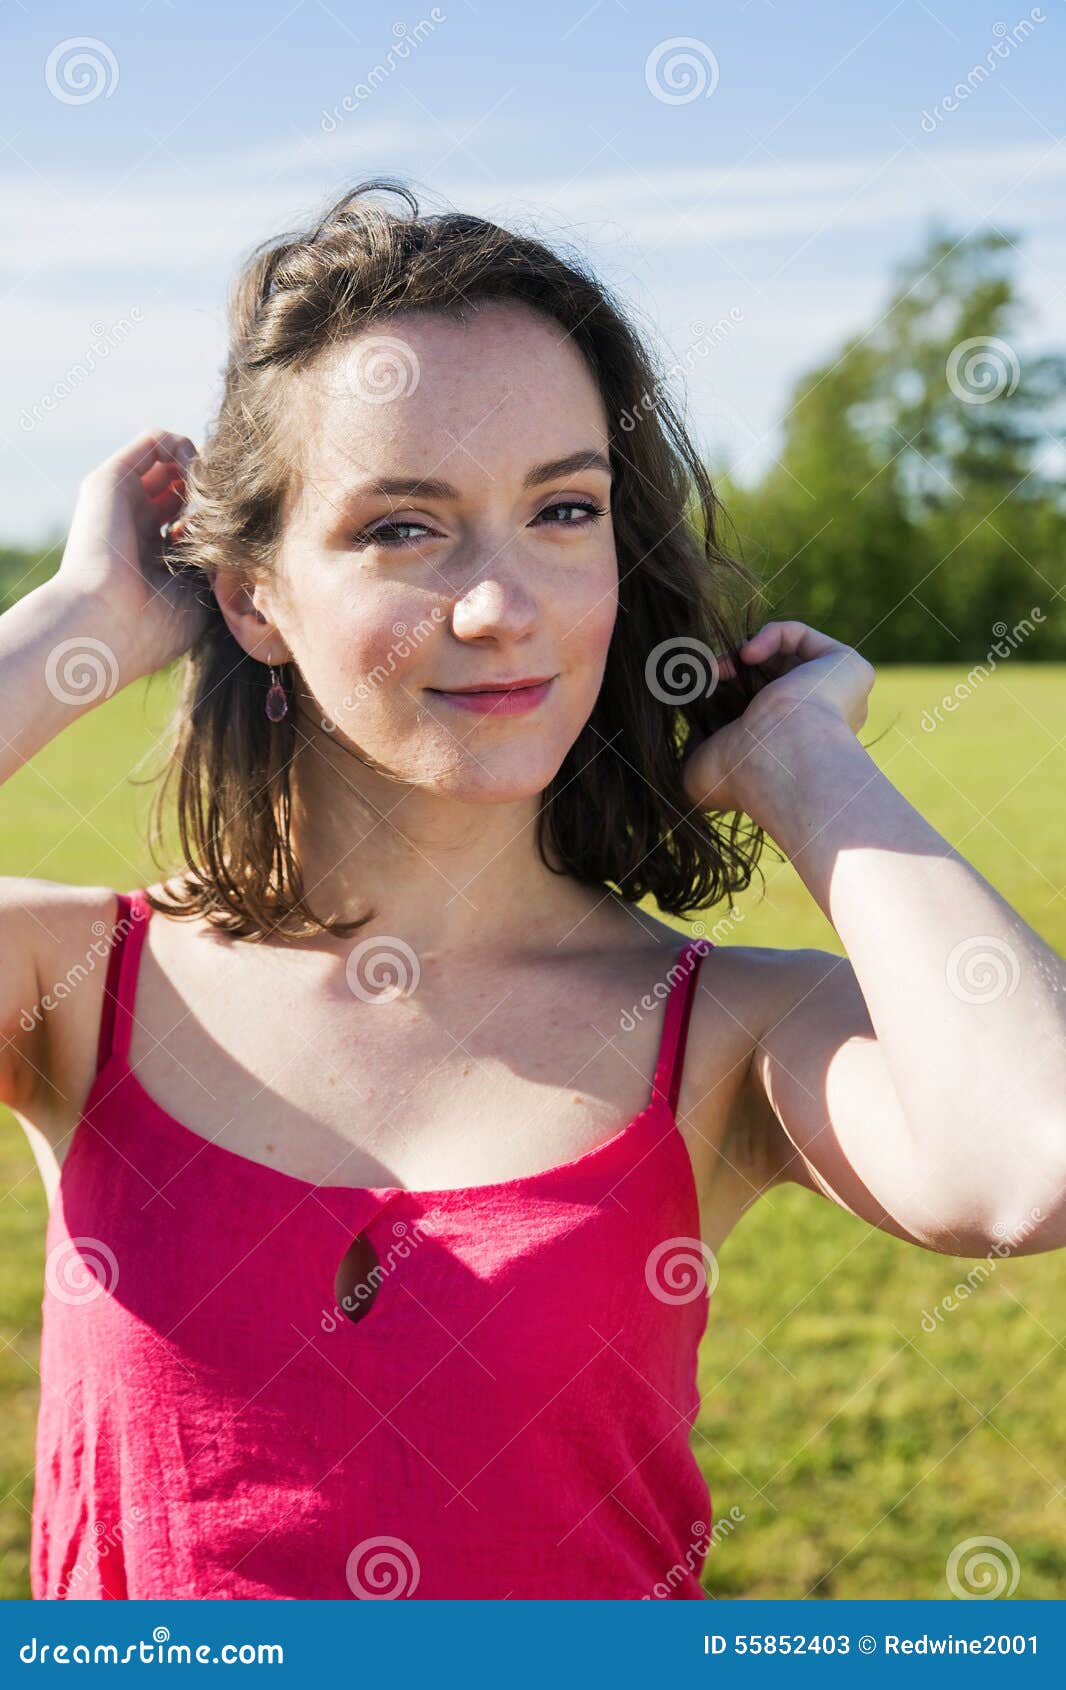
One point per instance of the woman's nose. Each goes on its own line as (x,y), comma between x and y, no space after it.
(496,605)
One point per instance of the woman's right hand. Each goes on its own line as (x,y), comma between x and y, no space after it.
(114,551)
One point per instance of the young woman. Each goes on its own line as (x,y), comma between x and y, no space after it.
(389,1143)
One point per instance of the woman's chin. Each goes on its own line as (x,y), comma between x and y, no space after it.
(482,791)
(490,780)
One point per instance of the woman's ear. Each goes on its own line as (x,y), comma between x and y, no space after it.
(254,632)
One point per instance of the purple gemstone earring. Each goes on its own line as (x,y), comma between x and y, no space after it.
(277,703)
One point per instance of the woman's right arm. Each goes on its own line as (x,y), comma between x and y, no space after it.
(110,615)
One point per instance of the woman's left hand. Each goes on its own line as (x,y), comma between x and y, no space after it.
(810,671)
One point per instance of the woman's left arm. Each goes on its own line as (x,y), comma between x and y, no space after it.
(952,1116)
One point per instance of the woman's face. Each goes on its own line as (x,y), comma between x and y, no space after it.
(496,569)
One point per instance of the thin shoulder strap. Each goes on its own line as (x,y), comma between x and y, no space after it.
(682,974)
(116,1022)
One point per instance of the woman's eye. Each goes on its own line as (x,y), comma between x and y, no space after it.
(380,536)
(376,536)
(593,513)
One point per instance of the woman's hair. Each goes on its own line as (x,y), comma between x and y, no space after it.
(616,813)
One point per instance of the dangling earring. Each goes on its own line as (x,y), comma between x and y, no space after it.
(277,703)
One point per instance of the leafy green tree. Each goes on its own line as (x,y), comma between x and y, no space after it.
(913,505)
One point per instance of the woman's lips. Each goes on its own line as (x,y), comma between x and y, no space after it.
(513,703)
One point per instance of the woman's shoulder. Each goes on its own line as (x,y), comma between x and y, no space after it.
(61,934)
(742,992)
(64,924)
(753,980)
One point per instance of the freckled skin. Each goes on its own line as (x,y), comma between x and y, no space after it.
(480,589)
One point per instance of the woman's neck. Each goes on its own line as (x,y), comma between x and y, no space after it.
(445,876)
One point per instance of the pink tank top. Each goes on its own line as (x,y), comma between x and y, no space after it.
(256,1386)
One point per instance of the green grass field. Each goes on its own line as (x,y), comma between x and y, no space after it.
(854,1448)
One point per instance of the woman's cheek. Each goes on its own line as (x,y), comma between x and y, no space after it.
(368,673)
(589,627)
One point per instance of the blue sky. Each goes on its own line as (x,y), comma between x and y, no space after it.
(762,165)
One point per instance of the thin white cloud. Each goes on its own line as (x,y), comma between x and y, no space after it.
(207,222)
(687,243)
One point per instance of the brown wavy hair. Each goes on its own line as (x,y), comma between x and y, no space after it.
(616,813)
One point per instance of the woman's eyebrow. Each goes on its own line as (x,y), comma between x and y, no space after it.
(402,487)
